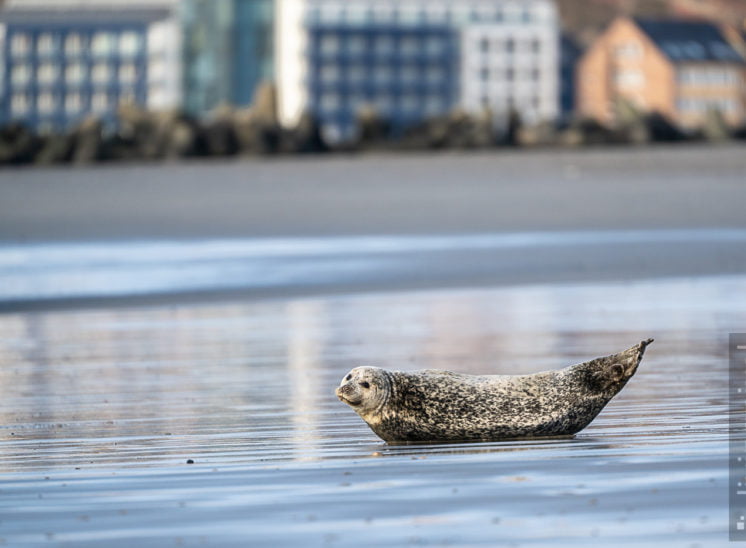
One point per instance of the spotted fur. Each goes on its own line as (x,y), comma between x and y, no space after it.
(433,405)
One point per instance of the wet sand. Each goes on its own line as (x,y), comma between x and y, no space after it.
(686,187)
(100,411)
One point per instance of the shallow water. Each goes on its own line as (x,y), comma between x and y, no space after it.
(100,410)
(36,273)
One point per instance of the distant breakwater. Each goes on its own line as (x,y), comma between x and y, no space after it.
(157,136)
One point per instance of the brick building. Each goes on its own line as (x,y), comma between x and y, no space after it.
(681,69)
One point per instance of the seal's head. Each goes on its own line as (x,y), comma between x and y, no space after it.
(365,389)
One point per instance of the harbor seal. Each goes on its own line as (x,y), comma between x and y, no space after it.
(442,406)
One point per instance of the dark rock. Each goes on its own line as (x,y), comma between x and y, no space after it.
(88,141)
(155,135)
(305,137)
(56,149)
(586,131)
(373,130)
(662,129)
(18,144)
(513,127)
(256,134)
(543,134)
(715,128)
(219,133)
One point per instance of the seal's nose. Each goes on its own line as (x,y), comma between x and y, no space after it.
(343,389)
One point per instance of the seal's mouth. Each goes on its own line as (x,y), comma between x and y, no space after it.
(341,396)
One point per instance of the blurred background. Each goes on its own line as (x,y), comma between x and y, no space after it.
(86,80)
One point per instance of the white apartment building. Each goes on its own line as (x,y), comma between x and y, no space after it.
(333,55)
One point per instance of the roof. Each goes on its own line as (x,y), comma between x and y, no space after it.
(118,13)
(683,41)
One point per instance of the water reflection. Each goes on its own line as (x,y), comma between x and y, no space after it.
(305,347)
(249,383)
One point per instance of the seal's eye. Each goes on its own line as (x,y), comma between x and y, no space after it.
(348,377)
(365,384)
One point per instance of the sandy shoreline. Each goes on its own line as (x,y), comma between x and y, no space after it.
(605,188)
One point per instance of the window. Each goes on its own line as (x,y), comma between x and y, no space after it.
(329,73)
(47,73)
(409,74)
(356,74)
(73,44)
(629,50)
(73,103)
(355,45)
(434,105)
(484,74)
(383,45)
(329,102)
(20,75)
(100,102)
(100,73)
(484,45)
(383,104)
(129,43)
(19,104)
(329,44)
(510,74)
(382,74)
(45,103)
(20,44)
(408,45)
(102,44)
(434,75)
(330,14)
(409,14)
(127,96)
(629,78)
(127,73)
(45,44)
(410,104)
(535,46)
(74,74)
(434,45)
(382,14)
(509,45)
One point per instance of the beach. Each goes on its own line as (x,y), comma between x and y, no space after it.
(171,336)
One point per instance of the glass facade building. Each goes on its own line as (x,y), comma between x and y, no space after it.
(228,51)
(404,73)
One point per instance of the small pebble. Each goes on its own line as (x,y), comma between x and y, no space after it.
(190,461)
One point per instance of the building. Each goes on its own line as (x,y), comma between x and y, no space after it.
(570,53)
(413,59)
(228,51)
(62,61)
(680,69)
